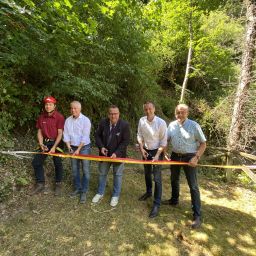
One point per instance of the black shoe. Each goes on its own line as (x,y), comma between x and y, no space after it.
(169,202)
(74,193)
(40,187)
(145,196)
(154,212)
(58,187)
(196,222)
(83,198)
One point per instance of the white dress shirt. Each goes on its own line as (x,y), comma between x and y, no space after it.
(152,134)
(77,130)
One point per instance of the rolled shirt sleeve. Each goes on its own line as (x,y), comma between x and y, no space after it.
(139,133)
(86,131)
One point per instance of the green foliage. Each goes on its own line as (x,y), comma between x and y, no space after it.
(216,46)
(217,34)
(216,49)
(22,181)
(103,52)
(14,176)
(95,52)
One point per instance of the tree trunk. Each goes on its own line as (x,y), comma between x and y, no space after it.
(245,77)
(188,66)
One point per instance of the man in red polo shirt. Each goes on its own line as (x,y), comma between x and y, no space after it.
(50,126)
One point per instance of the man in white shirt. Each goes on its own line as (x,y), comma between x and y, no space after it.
(152,139)
(77,138)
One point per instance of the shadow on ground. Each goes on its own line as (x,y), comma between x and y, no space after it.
(46,225)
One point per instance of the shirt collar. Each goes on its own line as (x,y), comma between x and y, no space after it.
(53,114)
(153,120)
(110,125)
(186,120)
(80,116)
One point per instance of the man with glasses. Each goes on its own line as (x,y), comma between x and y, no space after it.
(112,138)
(188,144)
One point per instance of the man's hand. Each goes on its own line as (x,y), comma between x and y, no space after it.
(166,157)
(113,155)
(193,161)
(104,151)
(77,152)
(155,158)
(44,148)
(52,150)
(144,153)
(71,151)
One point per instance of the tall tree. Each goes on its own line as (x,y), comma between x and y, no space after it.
(188,66)
(246,76)
(245,80)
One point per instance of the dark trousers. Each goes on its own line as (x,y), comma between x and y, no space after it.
(156,171)
(191,176)
(38,162)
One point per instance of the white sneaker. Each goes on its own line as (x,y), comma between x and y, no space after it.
(114,201)
(97,198)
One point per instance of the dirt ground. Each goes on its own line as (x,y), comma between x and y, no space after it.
(48,225)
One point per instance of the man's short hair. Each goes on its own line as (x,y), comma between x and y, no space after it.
(113,106)
(148,102)
(184,106)
(75,102)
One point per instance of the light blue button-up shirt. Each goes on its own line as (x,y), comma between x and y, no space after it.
(77,130)
(186,137)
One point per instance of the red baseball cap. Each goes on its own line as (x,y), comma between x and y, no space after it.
(50,99)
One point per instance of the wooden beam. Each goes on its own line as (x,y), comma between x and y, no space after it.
(250,174)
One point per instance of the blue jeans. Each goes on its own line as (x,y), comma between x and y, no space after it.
(81,184)
(38,162)
(117,177)
(156,171)
(191,176)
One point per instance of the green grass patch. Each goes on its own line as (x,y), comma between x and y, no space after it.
(48,225)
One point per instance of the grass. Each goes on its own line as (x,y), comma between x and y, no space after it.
(48,225)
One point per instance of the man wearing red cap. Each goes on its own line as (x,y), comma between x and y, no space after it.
(50,126)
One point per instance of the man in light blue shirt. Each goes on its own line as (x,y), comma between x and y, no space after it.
(77,138)
(188,144)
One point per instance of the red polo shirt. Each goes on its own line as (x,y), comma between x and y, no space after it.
(49,125)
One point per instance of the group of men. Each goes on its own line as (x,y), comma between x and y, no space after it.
(112,137)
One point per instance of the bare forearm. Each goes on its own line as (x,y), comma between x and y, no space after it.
(159,151)
(40,137)
(80,146)
(58,139)
(68,144)
(141,146)
(201,150)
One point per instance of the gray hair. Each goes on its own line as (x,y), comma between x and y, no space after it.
(184,106)
(77,103)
